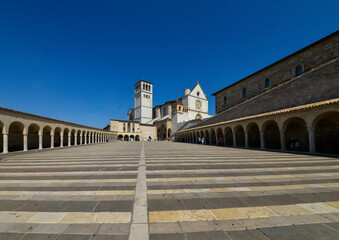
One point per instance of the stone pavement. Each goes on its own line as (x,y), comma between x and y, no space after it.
(163,190)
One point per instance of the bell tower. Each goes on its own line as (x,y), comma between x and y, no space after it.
(143,101)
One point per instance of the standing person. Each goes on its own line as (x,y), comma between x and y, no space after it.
(221,141)
(199,140)
(203,141)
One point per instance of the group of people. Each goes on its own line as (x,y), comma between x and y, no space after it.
(203,141)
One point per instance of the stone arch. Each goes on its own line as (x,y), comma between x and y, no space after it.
(78,137)
(33,136)
(296,135)
(131,138)
(66,133)
(121,137)
(15,136)
(271,135)
(198,116)
(137,138)
(46,137)
(1,137)
(194,137)
(162,132)
(73,133)
(207,137)
(57,137)
(326,132)
(220,137)
(239,136)
(84,137)
(228,136)
(89,139)
(253,135)
(202,134)
(126,138)
(213,137)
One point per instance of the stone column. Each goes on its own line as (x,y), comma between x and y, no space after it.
(92,138)
(61,140)
(40,141)
(85,139)
(25,142)
(246,139)
(52,141)
(75,139)
(234,140)
(311,140)
(69,140)
(80,139)
(262,139)
(217,140)
(5,142)
(282,139)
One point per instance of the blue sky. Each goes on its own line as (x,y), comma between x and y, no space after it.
(77,61)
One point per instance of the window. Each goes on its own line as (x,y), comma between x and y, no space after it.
(267,83)
(143,86)
(198,93)
(244,93)
(225,100)
(124,128)
(298,70)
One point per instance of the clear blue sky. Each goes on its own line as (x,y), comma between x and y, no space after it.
(77,61)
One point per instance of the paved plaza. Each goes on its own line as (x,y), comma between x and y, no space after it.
(165,190)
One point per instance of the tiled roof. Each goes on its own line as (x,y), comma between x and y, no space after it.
(45,118)
(285,110)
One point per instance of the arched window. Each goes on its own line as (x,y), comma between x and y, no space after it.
(225,100)
(267,83)
(298,70)
(198,93)
(124,127)
(244,93)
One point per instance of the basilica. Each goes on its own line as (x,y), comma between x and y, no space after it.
(169,117)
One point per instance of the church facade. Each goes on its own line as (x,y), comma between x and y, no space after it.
(170,116)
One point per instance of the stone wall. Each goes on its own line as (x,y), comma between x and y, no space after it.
(315,85)
(310,58)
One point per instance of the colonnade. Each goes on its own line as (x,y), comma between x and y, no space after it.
(23,135)
(315,130)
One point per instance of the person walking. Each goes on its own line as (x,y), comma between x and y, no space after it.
(199,140)
(203,141)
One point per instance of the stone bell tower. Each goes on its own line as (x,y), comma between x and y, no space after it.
(143,101)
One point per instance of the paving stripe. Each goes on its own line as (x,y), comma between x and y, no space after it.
(283,176)
(64,217)
(139,225)
(243,212)
(242,189)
